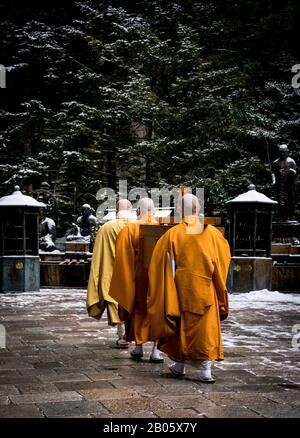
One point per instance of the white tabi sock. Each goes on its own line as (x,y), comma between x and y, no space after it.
(204,368)
(155,354)
(138,349)
(120,331)
(179,367)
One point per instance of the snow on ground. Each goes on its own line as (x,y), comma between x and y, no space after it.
(258,300)
(259,321)
(53,296)
(262,321)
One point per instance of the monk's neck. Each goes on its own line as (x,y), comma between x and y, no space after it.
(123,214)
(193,225)
(191,220)
(147,219)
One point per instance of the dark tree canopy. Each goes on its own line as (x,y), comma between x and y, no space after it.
(156,92)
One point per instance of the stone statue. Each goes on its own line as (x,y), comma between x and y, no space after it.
(87,221)
(284,180)
(47,233)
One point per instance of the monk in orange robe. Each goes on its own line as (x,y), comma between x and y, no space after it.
(187,295)
(129,287)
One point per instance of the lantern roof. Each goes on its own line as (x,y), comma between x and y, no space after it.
(252,196)
(17,199)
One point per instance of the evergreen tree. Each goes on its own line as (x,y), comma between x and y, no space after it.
(156,92)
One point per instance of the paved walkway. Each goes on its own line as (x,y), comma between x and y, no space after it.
(60,363)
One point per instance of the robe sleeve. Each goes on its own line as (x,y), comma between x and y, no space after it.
(162,303)
(122,287)
(222,259)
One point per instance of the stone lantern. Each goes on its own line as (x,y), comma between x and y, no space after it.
(250,241)
(19,243)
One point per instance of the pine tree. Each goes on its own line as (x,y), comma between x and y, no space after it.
(156,92)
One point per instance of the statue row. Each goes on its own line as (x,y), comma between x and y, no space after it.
(84,227)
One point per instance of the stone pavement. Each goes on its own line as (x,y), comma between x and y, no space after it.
(60,363)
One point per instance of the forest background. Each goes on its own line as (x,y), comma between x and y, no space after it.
(159,93)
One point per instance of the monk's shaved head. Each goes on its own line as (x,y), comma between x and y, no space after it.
(146,207)
(191,205)
(124,205)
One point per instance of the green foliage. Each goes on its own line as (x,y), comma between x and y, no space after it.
(156,92)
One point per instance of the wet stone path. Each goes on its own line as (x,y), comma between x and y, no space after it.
(60,363)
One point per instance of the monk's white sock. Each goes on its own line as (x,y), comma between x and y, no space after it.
(155,354)
(138,349)
(120,331)
(204,367)
(179,367)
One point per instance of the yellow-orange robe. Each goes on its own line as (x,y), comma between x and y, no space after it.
(187,292)
(129,284)
(102,264)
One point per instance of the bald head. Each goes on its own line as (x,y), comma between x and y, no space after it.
(145,207)
(190,205)
(124,205)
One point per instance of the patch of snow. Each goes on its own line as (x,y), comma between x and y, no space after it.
(261,298)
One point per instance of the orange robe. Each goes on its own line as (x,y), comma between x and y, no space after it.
(129,284)
(187,292)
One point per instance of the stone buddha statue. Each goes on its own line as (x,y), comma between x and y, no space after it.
(284,179)
(87,221)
